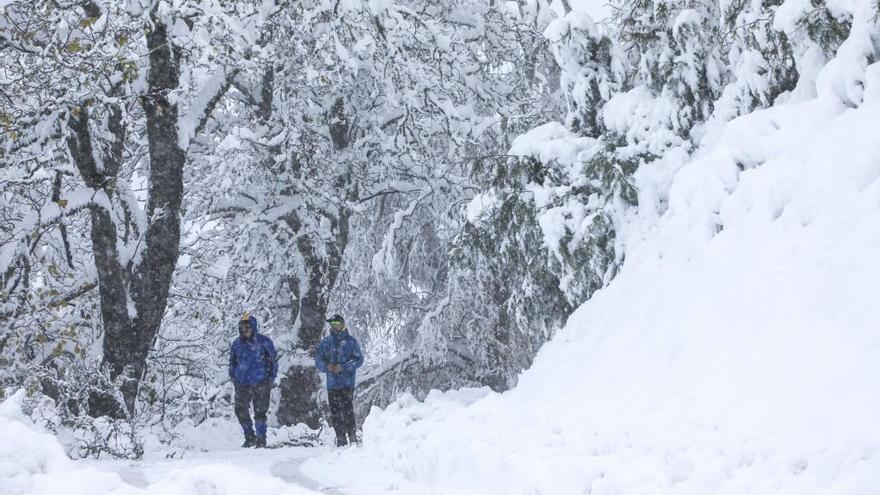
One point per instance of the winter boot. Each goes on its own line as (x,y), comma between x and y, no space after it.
(340,436)
(261,442)
(249,441)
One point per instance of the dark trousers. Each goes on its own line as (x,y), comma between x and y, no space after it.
(342,415)
(258,395)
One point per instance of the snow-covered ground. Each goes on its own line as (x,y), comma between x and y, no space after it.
(34,463)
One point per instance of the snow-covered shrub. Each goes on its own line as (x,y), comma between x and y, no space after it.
(60,401)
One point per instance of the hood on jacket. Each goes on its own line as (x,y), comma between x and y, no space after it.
(252,320)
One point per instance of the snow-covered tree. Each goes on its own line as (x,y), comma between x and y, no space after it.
(117,123)
(675,47)
(592,70)
(761,60)
(349,154)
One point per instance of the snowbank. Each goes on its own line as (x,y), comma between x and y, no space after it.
(738,351)
(34,463)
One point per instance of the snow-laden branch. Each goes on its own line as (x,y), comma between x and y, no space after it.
(391,187)
(193,122)
(383,262)
(59,301)
(27,230)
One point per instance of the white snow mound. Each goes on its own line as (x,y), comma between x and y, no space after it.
(34,463)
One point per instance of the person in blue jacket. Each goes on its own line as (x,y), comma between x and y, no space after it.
(339,356)
(253,365)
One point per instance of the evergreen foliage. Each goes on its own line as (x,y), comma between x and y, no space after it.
(762,62)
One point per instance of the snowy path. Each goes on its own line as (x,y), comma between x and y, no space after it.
(282,463)
(325,470)
(290,472)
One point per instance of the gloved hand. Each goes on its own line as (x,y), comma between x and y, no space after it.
(334,368)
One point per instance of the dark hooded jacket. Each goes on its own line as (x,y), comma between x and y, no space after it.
(253,360)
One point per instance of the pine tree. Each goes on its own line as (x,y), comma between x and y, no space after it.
(674,45)
(823,27)
(695,77)
(761,58)
(592,70)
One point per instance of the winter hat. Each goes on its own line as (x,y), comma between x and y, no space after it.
(336,319)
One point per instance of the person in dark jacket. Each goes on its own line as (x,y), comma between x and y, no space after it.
(339,356)
(253,365)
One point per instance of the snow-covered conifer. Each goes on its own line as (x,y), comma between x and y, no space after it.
(592,70)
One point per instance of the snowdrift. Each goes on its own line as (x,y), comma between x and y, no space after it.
(34,463)
(738,351)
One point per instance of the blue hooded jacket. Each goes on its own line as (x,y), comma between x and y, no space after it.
(339,348)
(253,360)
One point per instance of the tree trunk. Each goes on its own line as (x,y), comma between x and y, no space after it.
(301,386)
(151,277)
(129,332)
(112,276)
